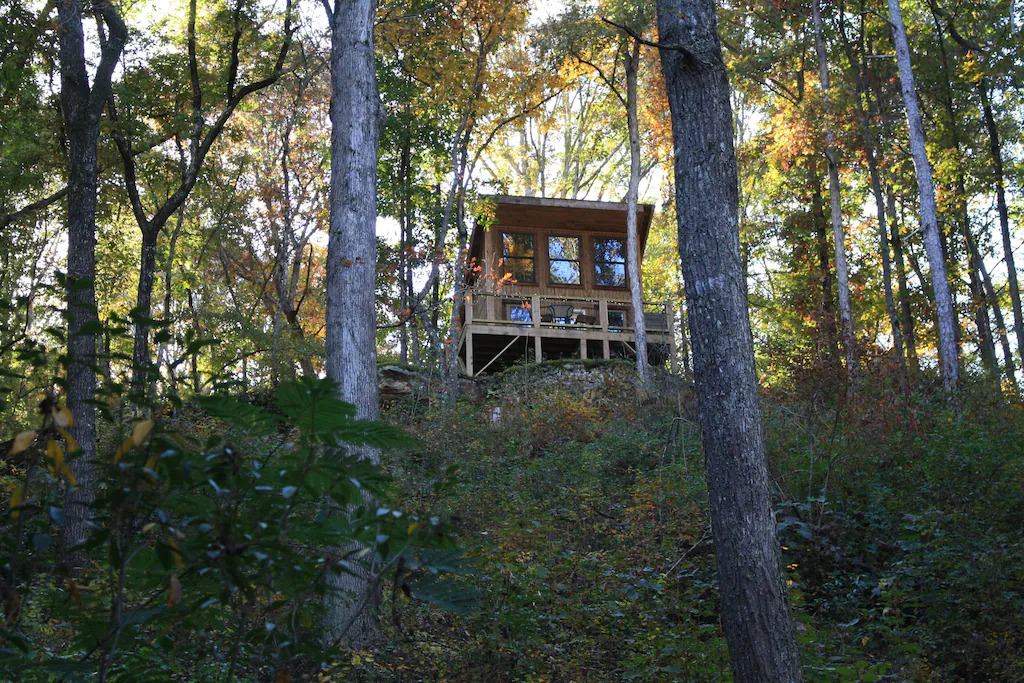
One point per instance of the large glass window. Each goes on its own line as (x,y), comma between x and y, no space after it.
(564,260)
(517,254)
(609,263)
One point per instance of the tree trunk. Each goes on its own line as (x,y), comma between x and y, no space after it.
(404,241)
(979,309)
(949,357)
(636,294)
(143,313)
(1004,217)
(82,108)
(903,293)
(351,277)
(458,297)
(993,299)
(838,234)
(755,603)
(871,146)
(826,314)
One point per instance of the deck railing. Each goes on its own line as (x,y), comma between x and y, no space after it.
(566,313)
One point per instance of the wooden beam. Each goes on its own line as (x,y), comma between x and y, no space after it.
(498,355)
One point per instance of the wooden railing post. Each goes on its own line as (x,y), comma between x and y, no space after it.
(469,307)
(602,316)
(537,350)
(670,316)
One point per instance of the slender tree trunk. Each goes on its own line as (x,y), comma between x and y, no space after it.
(171,382)
(993,299)
(835,197)
(755,604)
(143,313)
(949,357)
(82,107)
(458,298)
(903,293)
(351,271)
(404,242)
(865,109)
(979,308)
(825,313)
(636,294)
(1004,217)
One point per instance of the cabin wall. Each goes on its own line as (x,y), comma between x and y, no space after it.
(490,276)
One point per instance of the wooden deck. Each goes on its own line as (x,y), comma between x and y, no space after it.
(495,334)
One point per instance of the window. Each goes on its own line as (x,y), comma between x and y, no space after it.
(517,254)
(564,260)
(609,263)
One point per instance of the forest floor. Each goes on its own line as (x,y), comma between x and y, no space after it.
(583,515)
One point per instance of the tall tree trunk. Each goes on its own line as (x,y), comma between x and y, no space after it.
(1004,217)
(949,357)
(636,294)
(979,308)
(458,297)
(826,313)
(351,271)
(838,234)
(993,300)
(82,107)
(865,110)
(142,313)
(755,604)
(405,233)
(171,383)
(903,293)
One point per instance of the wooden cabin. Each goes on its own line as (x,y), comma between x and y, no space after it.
(548,279)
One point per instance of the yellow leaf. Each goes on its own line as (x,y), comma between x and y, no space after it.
(70,440)
(147,527)
(122,449)
(62,417)
(16,498)
(151,463)
(177,553)
(174,591)
(56,454)
(141,431)
(23,441)
(69,475)
(413,527)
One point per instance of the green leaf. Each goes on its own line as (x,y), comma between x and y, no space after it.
(240,414)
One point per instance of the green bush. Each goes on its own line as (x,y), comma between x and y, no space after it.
(206,556)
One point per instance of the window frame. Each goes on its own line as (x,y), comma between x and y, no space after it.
(578,260)
(624,262)
(505,259)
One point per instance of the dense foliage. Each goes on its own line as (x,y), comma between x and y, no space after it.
(211,540)
(586,511)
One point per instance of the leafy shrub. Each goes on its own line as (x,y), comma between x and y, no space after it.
(205,557)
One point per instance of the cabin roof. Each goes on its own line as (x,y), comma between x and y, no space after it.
(574,215)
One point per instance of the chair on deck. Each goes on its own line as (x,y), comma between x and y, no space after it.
(584,319)
(561,313)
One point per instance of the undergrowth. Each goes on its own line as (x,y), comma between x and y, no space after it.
(585,511)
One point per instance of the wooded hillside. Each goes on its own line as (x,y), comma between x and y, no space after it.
(220,219)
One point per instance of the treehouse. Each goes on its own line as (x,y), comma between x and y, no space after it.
(548,279)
